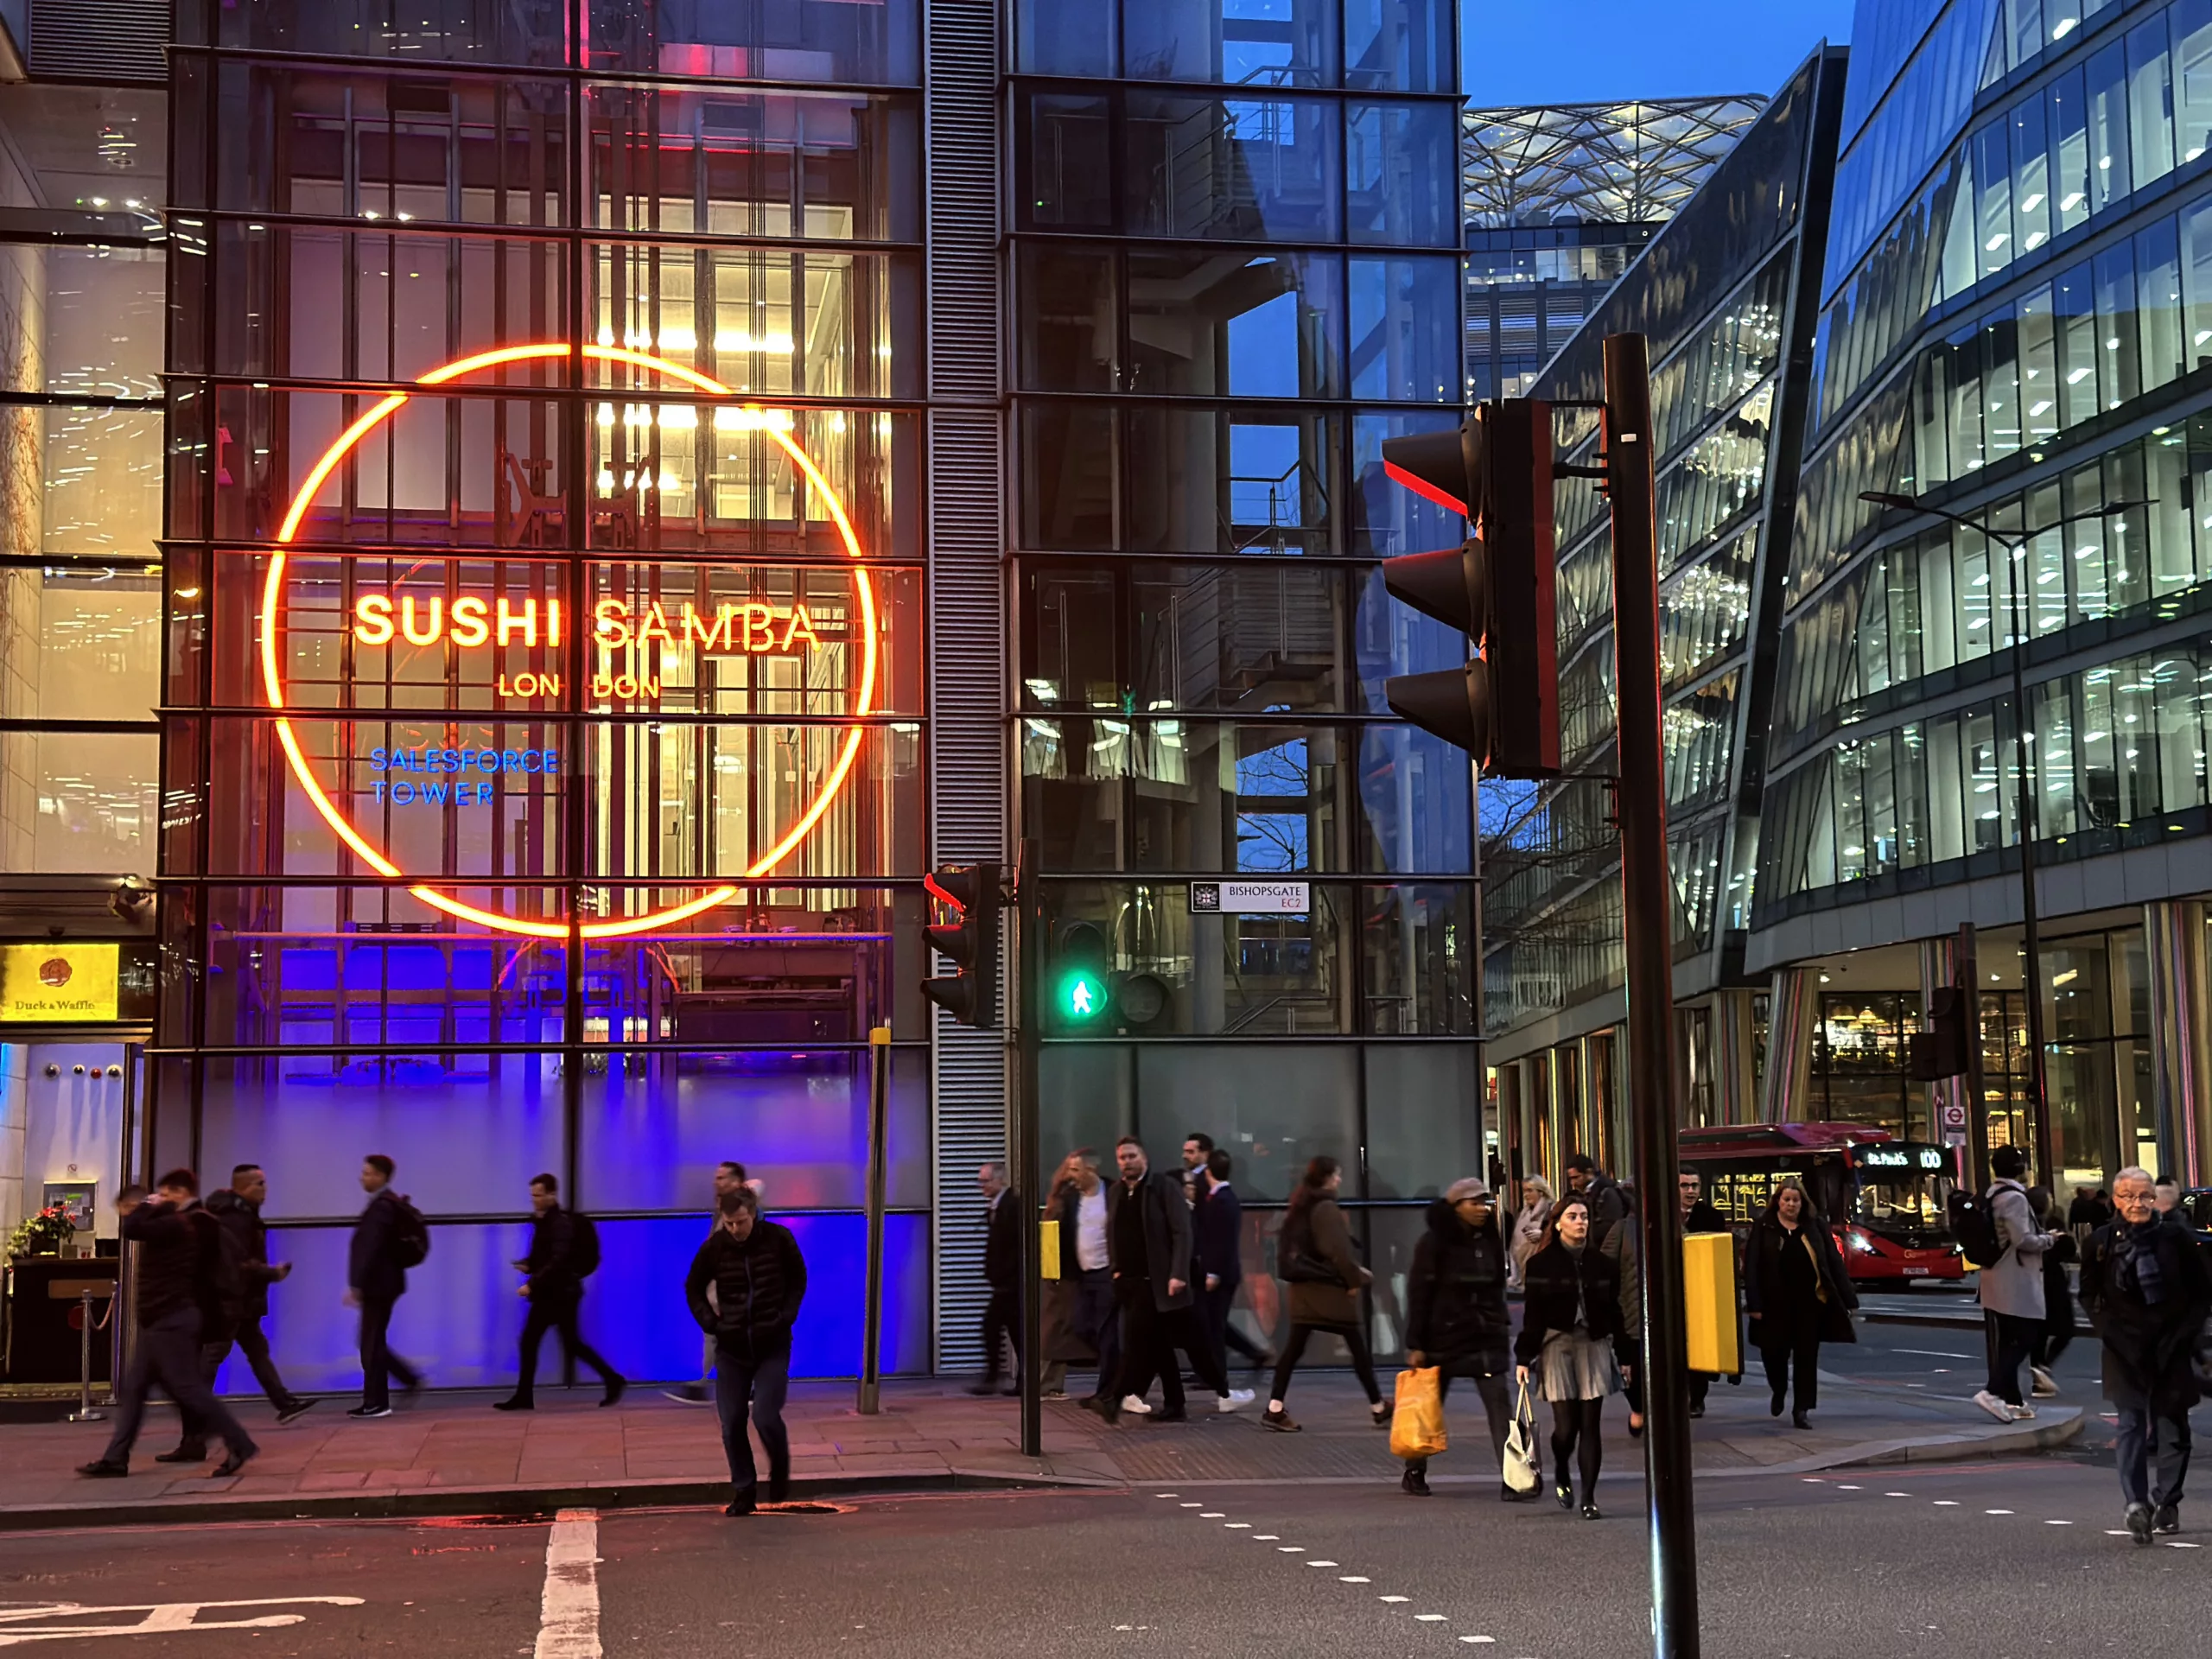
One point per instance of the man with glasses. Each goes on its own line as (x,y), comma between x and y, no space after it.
(2147,1291)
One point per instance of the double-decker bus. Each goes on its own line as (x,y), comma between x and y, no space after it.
(1884,1198)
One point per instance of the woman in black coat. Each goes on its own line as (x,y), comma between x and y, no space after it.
(1456,1318)
(1571,1313)
(1797,1294)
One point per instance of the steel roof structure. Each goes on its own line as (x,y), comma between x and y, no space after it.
(1579,164)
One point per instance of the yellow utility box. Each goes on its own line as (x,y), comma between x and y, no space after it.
(1048,1249)
(1709,1299)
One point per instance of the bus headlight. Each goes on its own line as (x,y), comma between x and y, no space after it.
(1859,1242)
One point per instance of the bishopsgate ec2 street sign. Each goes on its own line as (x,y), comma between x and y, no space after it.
(625,639)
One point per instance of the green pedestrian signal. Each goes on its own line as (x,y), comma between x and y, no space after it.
(1082,997)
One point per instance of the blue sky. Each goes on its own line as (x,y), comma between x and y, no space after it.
(1584,51)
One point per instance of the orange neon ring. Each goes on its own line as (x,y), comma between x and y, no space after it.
(273,680)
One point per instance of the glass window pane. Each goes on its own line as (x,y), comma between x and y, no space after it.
(1214,325)
(1053,38)
(1243,42)
(756,40)
(1219,637)
(1402,46)
(2039,366)
(2151,124)
(2068,117)
(2107,112)
(1405,329)
(1419,946)
(1993,178)
(83,803)
(2192,31)
(2120,376)
(1222,481)
(2031,176)
(1401,175)
(81,645)
(1069,163)
(1244,168)
(2157,292)
(1070,318)
(1274,1108)
(1068,455)
(2080,352)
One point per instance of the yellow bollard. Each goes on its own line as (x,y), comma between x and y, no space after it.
(1709,1298)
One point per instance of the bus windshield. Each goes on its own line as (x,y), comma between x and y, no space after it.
(1899,1199)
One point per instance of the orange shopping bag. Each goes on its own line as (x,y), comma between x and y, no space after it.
(1417,1423)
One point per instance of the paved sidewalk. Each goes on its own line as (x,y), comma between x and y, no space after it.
(452,1454)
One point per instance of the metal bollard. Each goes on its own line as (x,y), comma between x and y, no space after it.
(85,1413)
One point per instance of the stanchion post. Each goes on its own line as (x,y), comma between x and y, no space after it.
(85,1413)
(878,1093)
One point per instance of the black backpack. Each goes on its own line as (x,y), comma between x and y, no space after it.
(411,1237)
(1974,1225)
(219,1285)
(583,1246)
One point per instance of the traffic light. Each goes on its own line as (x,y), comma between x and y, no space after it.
(971,997)
(1496,587)
(1077,993)
(1942,1051)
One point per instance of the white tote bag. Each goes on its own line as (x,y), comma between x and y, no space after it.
(1521,1470)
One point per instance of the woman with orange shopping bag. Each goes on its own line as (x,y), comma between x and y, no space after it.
(1456,1318)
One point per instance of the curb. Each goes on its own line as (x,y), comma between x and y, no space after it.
(2042,1436)
(1932,1321)
(519,1502)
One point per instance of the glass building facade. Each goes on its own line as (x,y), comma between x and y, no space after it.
(1727,294)
(1235,272)
(533,528)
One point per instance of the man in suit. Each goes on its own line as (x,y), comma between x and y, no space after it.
(1003,1272)
(375,1281)
(1218,1228)
(1149,1242)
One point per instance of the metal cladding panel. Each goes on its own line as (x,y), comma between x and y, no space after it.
(968,795)
(115,41)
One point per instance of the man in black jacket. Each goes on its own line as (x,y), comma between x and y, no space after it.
(178,1273)
(375,1281)
(236,1211)
(1148,1243)
(554,1287)
(1217,1233)
(1608,1205)
(760,1280)
(1456,1317)
(2148,1291)
(1003,1272)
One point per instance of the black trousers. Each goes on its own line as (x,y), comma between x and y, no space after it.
(1150,1336)
(170,1354)
(2011,1338)
(558,1313)
(1578,1432)
(255,1346)
(1001,1318)
(1098,1322)
(1362,1362)
(1216,1305)
(379,1364)
(1794,1358)
(1496,1406)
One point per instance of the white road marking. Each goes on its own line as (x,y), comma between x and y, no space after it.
(1478,1638)
(1997,1511)
(1393,1598)
(1847,1488)
(1353,1577)
(1265,1537)
(1320,1563)
(1211,1514)
(1897,1494)
(162,1617)
(1189,1506)
(1431,1618)
(1162,1495)
(1946,1503)
(2058,1523)
(568,1618)
(1238,1526)
(1291,1549)
(2176,1544)
(1931,1353)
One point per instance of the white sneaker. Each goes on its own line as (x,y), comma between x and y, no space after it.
(2046,1386)
(1235,1399)
(1136,1406)
(2021,1414)
(1996,1407)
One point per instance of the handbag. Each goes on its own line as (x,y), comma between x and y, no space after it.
(1417,1416)
(1296,1262)
(1521,1470)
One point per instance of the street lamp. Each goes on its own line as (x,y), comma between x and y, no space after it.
(2031,971)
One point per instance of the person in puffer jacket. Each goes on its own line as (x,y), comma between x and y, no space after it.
(760,1280)
(1456,1318)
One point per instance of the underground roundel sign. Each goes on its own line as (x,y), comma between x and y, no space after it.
(737,630)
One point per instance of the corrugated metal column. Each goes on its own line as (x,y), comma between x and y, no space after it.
(967,623)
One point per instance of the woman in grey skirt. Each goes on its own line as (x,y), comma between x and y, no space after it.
(1572,1312)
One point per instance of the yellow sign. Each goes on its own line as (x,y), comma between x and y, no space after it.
(59,984)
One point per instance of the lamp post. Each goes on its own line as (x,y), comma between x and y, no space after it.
(2032,967)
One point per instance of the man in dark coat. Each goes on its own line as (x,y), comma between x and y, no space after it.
(375,1281)
(1217,1246)
(554,1271)
(2147,1290)
(1608,1204)
(1148,1243)
(1456,1317)
(178,1291)
(759,1280)
(1003,1272)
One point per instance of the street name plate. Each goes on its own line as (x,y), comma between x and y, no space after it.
(1251,898)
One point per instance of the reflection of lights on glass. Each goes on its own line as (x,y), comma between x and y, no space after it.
(753,419)
(117,147)
(738,339)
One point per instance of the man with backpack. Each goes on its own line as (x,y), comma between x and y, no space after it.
(2000,1237)
(389,1238)
(563,1253)
(180,1301)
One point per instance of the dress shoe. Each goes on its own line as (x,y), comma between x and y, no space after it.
(1799,1420)
(513,1405)
(104,1469)
(1775,1404)
(2166,1518)
(1414,1483)
(990,1385)
(1276,1418)
(235,1462)
(742,1504)
(292,1410)
(1169,1414)
(189,1451)
(1590,1512)
(1381,1413)
(615,1387)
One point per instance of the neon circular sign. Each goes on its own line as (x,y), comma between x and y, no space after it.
(273,680)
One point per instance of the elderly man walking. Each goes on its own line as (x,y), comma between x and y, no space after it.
(2146,1285)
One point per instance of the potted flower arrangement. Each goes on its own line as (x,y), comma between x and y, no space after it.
(42,1233)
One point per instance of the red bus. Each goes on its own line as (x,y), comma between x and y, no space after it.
(1884,1198)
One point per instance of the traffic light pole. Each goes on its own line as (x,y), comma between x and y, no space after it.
(1645,883)
(1022,1136)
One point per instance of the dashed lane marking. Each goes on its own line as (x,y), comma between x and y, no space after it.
(1320,1563)
(1431,1618)
(1394,1598)
(568,1620)
(1354,1578)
